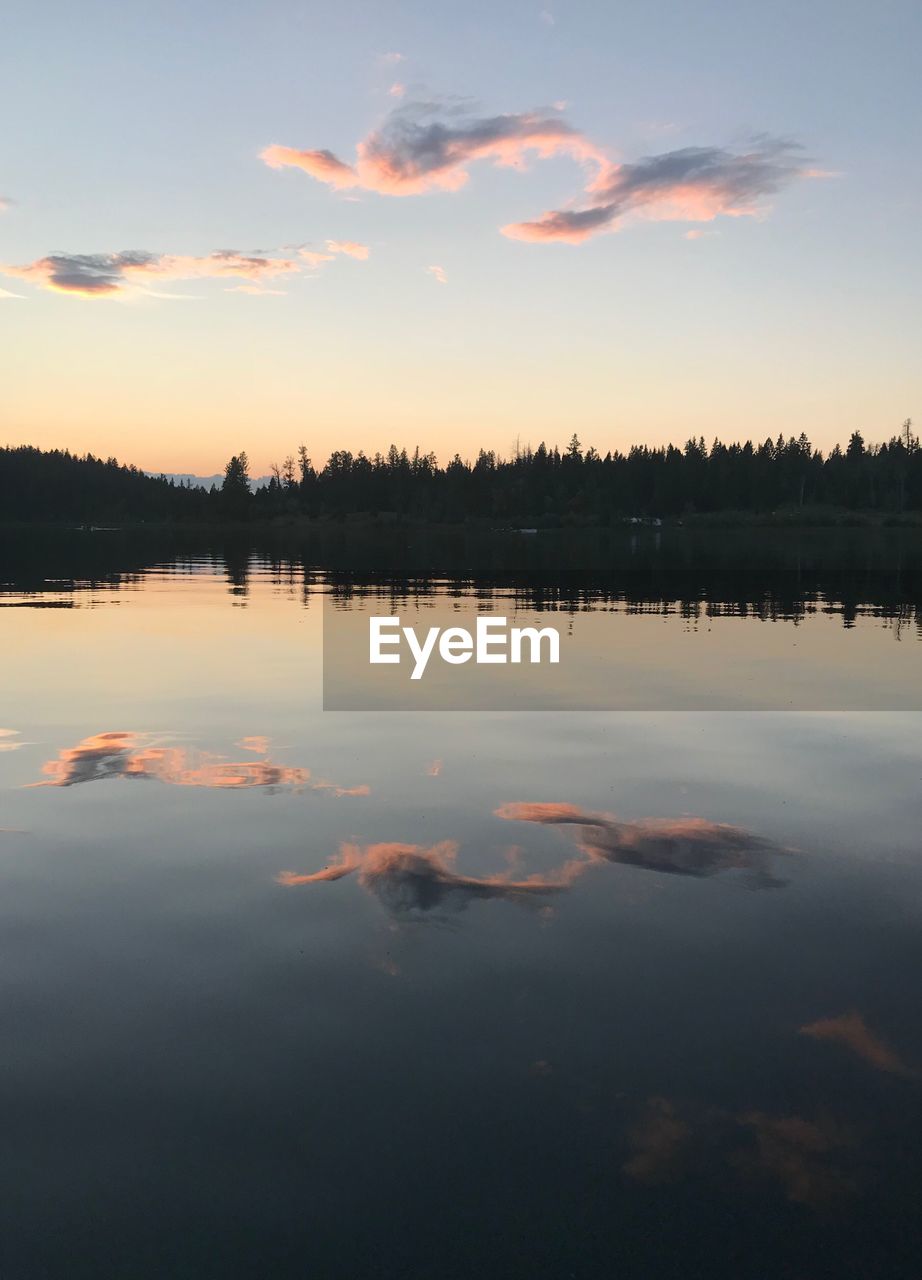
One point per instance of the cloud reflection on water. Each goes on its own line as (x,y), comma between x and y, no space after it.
(685,846)
(851,1030)
(807,1159)
(410,878)
(120,754)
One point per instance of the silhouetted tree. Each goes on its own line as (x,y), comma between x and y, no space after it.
(534,486)
(235,491)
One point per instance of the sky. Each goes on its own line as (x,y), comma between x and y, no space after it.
(230,226)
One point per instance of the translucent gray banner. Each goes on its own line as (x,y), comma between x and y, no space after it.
(447,648)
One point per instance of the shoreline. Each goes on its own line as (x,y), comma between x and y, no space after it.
(801,520)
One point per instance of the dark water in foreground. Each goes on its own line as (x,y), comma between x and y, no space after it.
(286,993)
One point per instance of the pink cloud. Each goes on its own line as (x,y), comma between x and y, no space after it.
(438,274)
(350,247)
(106,274)
(313,258)
(693,184)
(322,165)
(414,151)
(421,147)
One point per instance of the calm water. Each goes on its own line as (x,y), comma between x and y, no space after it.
(290,993)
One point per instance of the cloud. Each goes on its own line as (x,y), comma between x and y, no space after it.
(429,146)
(438,274)
(693,184)
(434,769)
(95,275)
(322,165)
(851,1030)
(675,846)
(107,275)
(411,879)
(6,293)
(5,203)
(390,59)
(10,740)
(397,90)
(315,258)
(136,756)
(350,247)
(90,275)
(416,151)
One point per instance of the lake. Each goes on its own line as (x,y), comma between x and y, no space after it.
(523,989)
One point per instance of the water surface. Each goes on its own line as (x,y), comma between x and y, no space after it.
(288,993)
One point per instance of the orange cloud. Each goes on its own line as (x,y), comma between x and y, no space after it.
(851,1030)
(438,274)
(130,755)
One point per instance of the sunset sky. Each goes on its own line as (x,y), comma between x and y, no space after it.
(237,226)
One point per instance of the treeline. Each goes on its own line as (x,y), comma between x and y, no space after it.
(541,486)
(58,486)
